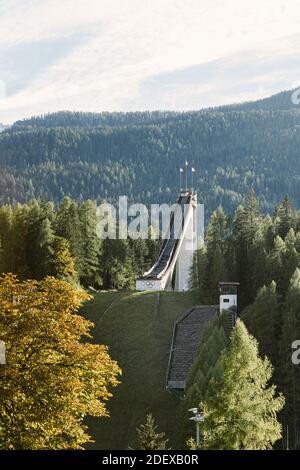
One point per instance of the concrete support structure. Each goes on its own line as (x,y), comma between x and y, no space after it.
(187,248)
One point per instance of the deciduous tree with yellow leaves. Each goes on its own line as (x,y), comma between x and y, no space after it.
(53,376)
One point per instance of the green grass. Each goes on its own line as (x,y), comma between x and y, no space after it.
(138,334)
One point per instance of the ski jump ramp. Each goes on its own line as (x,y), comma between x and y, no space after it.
(171,270)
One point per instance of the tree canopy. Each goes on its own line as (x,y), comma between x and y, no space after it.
(102,156)
(54,377)
(241,409)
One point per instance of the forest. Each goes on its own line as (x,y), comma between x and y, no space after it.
(262,252)
(38,240)
(56,168)
(101,156)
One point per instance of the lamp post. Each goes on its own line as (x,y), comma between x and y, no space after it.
(198,418)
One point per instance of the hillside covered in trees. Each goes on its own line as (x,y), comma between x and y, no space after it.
(102,156)
(263,254)
(37,240)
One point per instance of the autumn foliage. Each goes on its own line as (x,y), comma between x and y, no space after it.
(53,376)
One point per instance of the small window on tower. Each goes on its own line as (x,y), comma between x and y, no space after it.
(225,300)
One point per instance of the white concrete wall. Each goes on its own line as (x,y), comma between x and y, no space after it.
(186,252)
(149,284)
(185,260)
(227,301)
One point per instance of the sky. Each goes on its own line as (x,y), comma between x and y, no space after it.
(126,55)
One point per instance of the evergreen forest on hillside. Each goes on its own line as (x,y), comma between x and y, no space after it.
(38,240)
(102,156)
(263,254)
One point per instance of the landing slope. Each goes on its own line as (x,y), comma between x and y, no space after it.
(138,331)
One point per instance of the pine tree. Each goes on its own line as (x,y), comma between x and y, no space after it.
(251,219)
(148,436)
(215,242)
(217,229)
(117,264)
(246,226)
(276,263)
(269,232)
(291,259)
(68,226)
(63,264)
(91,245)
(39,242)
(290,239)
(140,253)
(285,218)
(19,240)
(263,321)
(217,274)
(257,259)
(289,372)
(198,273)
(240,412)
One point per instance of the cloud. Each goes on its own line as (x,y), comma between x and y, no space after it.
(231,79)
(2,91)
(134,54)
(20,64)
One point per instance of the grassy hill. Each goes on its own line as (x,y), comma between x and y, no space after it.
(138,330)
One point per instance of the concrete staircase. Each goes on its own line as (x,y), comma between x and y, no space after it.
(228,319)
(185,342)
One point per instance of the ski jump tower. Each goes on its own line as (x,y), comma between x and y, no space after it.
(171,270)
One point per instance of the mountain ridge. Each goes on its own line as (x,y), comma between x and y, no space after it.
(102,156)
(279,101)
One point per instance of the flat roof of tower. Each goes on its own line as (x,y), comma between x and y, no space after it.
(229,283)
